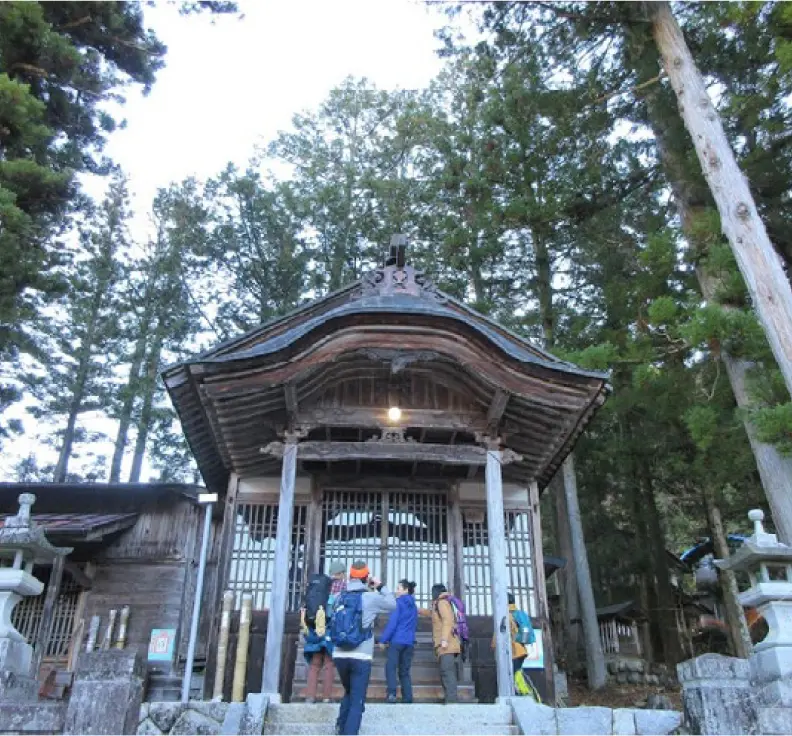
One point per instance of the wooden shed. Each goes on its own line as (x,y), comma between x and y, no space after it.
(390,422)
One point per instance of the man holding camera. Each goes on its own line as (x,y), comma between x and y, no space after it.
(352,627)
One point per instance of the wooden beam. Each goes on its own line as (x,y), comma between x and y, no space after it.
(290,396)
(496,409)
(79,576)
(363,416)
(393,451)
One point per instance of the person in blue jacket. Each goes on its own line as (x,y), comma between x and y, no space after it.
(399,638)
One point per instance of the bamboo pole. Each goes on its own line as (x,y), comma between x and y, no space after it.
(122,628)
(243,639)
(222,645)
(108,637)
(93,633)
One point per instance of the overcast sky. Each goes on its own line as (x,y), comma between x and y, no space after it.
(231,83)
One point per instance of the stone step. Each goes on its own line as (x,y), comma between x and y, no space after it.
(775,720)
(377,693)
(463,715)
(425,673)
(395,729)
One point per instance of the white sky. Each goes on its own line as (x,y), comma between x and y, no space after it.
(232,83)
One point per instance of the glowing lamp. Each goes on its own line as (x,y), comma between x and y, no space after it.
(394,413)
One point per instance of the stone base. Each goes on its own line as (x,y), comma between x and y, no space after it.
(18,688)
(717,695)
(15,656)
(106,694)
(775,721)
(771,664)
(40,718)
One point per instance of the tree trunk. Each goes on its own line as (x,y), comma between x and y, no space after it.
(657,549)
(570,605)
(125,418)
(147,408)
(735,616)
(690,198)
(759,263)
(595,660)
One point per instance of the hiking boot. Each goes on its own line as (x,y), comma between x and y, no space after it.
(327,700)
(391,698)
(310,700)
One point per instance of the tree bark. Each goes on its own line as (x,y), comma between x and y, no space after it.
(147,407)
(758,261)
(595,660)
(735,615)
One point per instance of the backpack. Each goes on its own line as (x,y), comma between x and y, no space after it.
(316,596)
(525,633)
(461,629)
(346,626)
(524,687)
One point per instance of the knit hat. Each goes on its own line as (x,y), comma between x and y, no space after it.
(359,570)
(337,568)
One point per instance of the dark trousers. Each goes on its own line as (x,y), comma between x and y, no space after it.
(400,660)
(448,676)
(354,674)
(517,663)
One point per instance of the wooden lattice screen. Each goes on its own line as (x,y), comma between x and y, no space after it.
(27,618)
(476,561)
(253,553)
(400,534)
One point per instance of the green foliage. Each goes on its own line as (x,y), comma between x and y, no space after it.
(774,425)
(702,423)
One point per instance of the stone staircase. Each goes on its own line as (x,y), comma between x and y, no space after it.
(427,687)
(379,719)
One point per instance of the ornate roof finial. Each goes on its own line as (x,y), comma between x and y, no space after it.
(396,278)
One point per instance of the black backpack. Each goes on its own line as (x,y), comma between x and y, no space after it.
(316,594)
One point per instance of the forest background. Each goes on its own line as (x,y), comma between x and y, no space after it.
(544,176)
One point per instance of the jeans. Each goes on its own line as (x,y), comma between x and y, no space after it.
(448,676)
(400,659)
(354,674)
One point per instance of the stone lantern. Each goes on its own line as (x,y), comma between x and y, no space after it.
(22,544)
(768,564)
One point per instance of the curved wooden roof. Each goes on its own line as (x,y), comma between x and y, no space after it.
(334,363)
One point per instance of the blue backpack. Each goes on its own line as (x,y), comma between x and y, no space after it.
(346,626)
(525,633)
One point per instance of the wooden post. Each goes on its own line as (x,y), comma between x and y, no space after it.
(759,264)
(276,620)
(595,661)
(455,543)
(537,550)
(499,573)
(48,614)
(314,552)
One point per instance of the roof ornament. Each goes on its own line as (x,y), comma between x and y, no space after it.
(396,278)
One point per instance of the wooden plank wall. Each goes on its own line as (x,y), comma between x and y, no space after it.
(149,568)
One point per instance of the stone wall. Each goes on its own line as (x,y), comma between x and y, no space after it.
(634,671)
(204,718)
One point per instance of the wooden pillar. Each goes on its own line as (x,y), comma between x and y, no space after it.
(537,551)
(568,579)
(314,554)
(595,661)
(48,614)
(499,573)
(455,533)
(276,620)
(214,599)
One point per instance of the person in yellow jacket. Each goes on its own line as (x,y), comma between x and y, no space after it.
(519,652)
(447,645)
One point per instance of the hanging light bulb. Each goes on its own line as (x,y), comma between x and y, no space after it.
(394,413)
